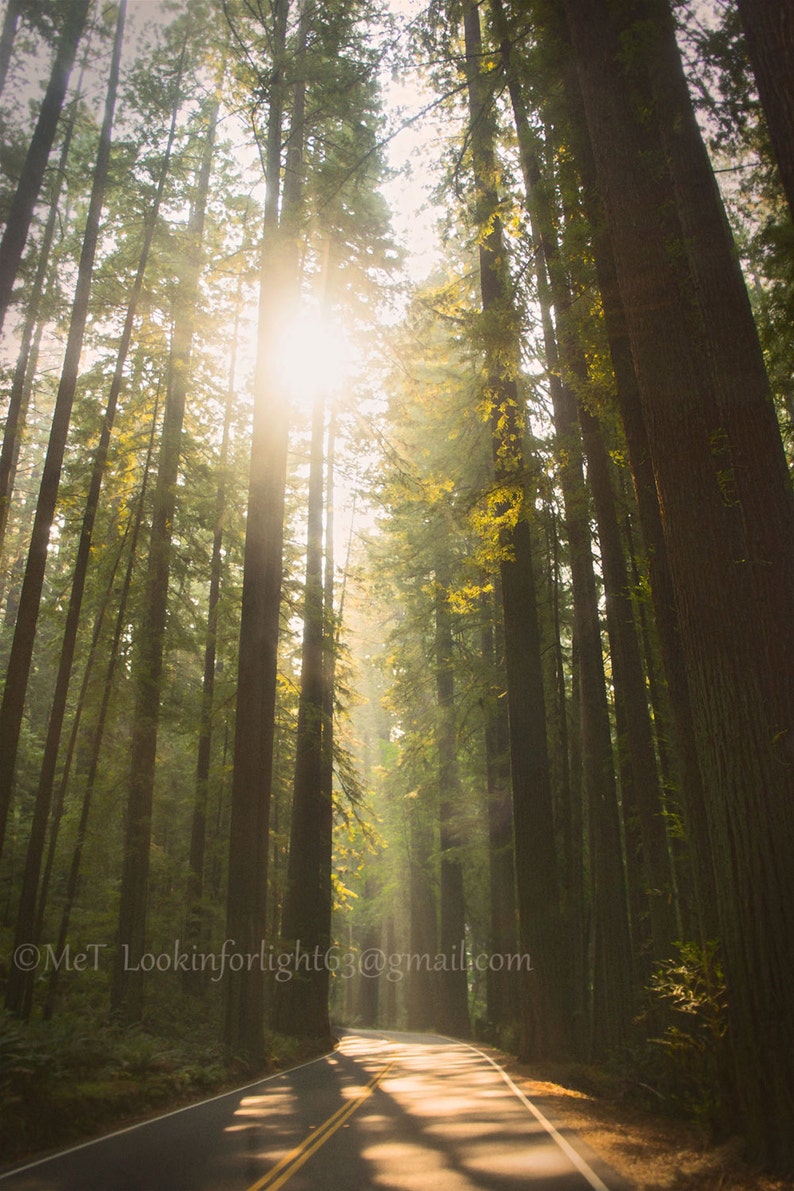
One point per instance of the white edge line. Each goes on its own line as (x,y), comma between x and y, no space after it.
(581,1165)
(84,1145)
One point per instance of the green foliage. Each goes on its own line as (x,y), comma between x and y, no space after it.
(690,988)
(69,1077)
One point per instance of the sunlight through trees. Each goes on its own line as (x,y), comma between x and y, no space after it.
(397,535)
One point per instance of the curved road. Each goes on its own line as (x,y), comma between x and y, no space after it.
(394,1111)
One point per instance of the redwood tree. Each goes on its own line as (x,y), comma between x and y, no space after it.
(742,742)
(544,1021)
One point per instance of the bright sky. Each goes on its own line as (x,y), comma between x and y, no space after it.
(414,153)
(414,215)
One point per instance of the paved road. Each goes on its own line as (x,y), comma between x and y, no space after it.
(392,1111)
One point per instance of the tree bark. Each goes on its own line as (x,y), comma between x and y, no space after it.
(769,31)
(656,552)
(500,998)
(747,776)
(641,788)
(612,979)
(759,478)
(302,1003)
(544,1025)
(453,1001)
(421,999)
(246,916)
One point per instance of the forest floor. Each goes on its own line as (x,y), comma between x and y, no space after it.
(653,1153)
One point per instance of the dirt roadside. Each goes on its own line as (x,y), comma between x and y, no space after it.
(651,1153)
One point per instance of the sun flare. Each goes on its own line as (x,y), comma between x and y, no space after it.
(313,358)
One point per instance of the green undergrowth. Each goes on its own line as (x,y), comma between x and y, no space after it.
(678,1063)
(73,1078)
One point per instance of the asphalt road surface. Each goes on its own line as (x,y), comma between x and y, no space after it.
(386,1110)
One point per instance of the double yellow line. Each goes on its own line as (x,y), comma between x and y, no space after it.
(286,1167)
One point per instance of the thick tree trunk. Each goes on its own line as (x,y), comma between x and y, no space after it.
(569,815)
(769,30)
(611,982)
(301,1004)
(127,986)
(301,1007)
(17,226)
(759,478)
(246,916)
(748,778)
(656,553)
(544,1024)
(18,671)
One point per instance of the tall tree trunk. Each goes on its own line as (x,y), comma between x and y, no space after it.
(569,809)
(12,245)
(421,999)
(611,982)
(198,829)
(689,925)
(641,788)
(612,978)
(759,476)
(769,30)
(79,577)
(656,552)
(748,780)
(56,814)
(19,395)
(19,991)
(331,629)
(127,987)
(27,617)
(500,998)
(544,1023)
(94,748)
(331,625)
(453,1002)
(302,1003)
(7,35)
(371,940)
(246,916)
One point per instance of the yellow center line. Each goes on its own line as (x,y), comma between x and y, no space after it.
(286,1167)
